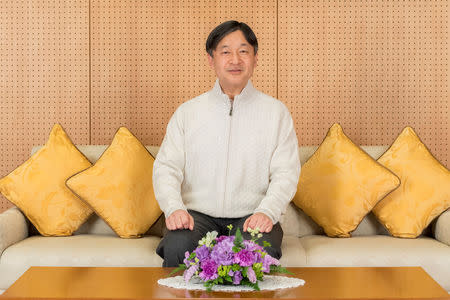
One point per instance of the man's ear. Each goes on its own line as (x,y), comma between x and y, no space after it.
(210,60)
(256,59)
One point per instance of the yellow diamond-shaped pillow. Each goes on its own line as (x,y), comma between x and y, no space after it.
(340,184)
(424,192)
(37,186)
(119,186)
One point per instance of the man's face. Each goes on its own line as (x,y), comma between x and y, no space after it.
(233,61)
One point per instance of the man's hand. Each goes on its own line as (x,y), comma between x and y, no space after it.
(258,220)
(180,219)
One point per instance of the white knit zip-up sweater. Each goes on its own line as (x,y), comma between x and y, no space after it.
(228,158)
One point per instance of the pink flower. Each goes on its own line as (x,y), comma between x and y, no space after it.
(268,261)
(186,260)
(190,272)
(245,258)
(251,275)
(209,270)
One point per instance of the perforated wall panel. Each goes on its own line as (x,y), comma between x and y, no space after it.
(149,56)
(373,66)
(44,76)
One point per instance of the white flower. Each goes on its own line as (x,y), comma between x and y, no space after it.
(207,240)
(253,232)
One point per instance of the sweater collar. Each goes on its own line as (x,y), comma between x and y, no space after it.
(246,93)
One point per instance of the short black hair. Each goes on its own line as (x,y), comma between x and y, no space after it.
(218,33)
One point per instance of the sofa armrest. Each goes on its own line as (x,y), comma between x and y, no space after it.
(442,228)
(13,228)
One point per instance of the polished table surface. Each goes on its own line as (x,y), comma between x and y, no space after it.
(141,283)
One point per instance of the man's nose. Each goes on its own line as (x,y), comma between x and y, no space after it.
(235,58)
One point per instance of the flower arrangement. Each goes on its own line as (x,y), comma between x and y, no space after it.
(229,260)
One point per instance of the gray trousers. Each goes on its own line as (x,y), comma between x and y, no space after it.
(176,242)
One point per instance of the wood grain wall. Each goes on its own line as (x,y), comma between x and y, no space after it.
(95,65)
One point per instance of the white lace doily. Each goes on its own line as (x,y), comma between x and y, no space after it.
(270,282)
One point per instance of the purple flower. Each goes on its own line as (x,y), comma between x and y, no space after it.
(186,261)
(258,257)
(202,253)
(222,253)
(190,272)
(224,237)
(209,270)
(268,261)
(251,275)
(237,277)
(252,246)
(245,258)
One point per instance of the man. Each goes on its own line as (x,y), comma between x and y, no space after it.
(229,156)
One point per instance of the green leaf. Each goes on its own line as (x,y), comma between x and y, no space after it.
(266,244)
(244,272)
(255,285)
(181,267)
(279,269)
(209,284)
(238,238)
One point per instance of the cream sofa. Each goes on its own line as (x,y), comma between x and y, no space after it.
(304,243)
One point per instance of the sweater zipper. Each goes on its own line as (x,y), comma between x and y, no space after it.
(228,157)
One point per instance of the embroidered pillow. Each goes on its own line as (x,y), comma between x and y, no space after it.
(424,192)
(119,186)
(37,186)
(340,184)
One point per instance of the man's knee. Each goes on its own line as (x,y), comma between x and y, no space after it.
(274,237)
(174,245)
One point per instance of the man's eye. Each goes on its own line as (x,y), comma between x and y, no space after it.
(244,51)
(225,52)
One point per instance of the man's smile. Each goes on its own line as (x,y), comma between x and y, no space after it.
(235,71)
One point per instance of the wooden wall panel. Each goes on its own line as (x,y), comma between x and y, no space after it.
(374,67)
(95,65)
(149,56)
(44,76)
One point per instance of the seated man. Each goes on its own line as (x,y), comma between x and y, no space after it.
(229,156)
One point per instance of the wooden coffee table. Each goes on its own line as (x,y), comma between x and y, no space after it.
(141,283)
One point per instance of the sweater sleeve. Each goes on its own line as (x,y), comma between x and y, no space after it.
(168,169)
(284,172)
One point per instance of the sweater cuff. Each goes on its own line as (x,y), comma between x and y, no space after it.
(173,207)
(267,213)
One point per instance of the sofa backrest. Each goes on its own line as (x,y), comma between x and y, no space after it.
(294,222)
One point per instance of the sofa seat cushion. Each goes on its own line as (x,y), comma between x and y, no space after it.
(79,250)
(293,253)
(379,250)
